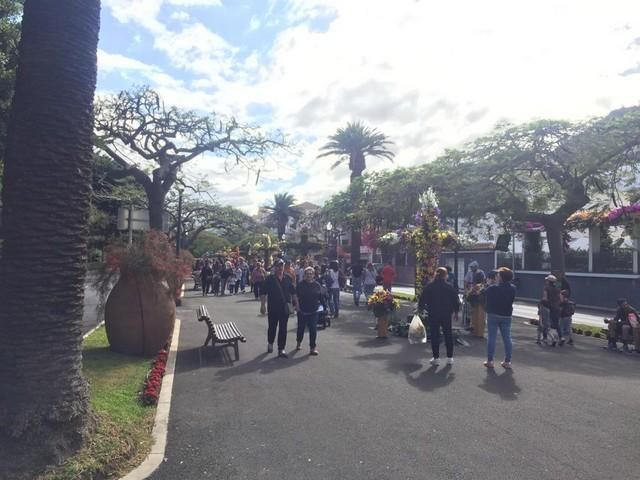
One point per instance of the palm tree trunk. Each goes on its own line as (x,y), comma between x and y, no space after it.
(355,247)
(44,399)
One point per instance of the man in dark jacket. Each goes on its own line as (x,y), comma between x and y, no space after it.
(441,301)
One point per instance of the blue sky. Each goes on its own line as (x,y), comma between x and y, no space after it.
(430,75)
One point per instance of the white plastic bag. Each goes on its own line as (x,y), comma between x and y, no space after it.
(417,332)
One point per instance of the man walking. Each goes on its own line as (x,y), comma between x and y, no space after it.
(309,296)
(441,301)
(388,275)
(278,293)
(356,282)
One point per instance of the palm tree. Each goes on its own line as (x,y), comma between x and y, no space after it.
(282,210)
(44,399)
(354,143)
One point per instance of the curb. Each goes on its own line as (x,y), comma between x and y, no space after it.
(93,330)
(160,427)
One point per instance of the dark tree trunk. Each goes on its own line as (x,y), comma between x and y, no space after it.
(358,166)
(44,399)
(156,206)
(554,230)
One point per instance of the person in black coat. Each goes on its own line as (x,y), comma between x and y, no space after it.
(440,300)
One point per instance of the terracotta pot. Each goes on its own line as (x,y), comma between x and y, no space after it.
(139,315)
(383,326)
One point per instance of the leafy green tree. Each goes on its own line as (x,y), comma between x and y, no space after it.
(112,189)
(199,216)
(282,209)
(545,171)
(208,242)
(354,144)
(151,142)
(10,18)
(44,399)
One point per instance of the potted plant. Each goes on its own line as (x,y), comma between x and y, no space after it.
(139,312)
(383,304)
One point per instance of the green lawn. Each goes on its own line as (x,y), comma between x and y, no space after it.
(122,437)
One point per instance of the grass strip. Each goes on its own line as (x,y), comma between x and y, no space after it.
(122,438)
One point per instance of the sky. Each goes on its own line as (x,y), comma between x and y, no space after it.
(429,74)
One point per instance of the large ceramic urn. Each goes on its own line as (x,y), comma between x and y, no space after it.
(139,315)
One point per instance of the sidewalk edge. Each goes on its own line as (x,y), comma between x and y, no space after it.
(161,423)
(93,330)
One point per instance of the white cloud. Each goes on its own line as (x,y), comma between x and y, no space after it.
(254,23)
(180,16)
(430,75)
(195,3)
(116,63)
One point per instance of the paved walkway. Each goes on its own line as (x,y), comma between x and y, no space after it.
(366,409)
(530,311)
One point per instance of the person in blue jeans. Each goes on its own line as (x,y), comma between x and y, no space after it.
(356,282)
(332,282)
(499,308)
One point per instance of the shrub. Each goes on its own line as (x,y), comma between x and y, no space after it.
(588,333)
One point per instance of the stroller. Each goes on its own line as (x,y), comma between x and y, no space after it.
(323,310)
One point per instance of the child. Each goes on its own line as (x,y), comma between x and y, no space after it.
(548,328)
(567,309)
(543,324)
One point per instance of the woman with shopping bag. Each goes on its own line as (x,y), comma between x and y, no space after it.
(441,302)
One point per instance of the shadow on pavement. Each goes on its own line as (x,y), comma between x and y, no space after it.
(503,384)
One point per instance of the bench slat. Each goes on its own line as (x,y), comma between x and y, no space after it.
(221,331)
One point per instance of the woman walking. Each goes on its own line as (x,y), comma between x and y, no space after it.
(332,280)
(441,302)
(368,280)
(257,277)
(499,298)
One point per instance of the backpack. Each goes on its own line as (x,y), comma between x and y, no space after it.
(328,280)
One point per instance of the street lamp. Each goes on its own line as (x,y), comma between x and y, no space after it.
(179,228)
(329,228)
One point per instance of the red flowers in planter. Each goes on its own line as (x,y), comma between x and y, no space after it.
(153,382)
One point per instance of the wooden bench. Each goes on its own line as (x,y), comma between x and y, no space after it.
(226,333)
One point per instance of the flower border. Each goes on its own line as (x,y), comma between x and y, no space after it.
(153,381)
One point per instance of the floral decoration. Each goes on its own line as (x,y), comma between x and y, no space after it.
(382,302)
(584,219)
(428,239)
(153,382)
(391,238)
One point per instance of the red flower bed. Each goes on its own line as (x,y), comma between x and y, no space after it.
(151,390)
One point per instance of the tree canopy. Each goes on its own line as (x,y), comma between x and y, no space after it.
(541,171)
(152,141)
(10,21)
(282,209)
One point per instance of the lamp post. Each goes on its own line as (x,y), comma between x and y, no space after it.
(179,228)
(329,228)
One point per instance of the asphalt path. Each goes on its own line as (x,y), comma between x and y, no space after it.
(90,315)
(365,409)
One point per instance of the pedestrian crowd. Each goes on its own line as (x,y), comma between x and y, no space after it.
(312,292)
